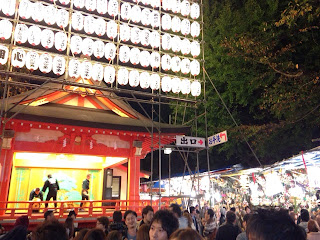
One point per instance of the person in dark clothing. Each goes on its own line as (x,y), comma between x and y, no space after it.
(53,186)
(36,193)
(228,231)
(117,223)
(85,189)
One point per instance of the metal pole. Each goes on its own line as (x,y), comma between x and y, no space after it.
(159,135)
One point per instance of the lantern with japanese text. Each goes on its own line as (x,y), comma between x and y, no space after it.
(166,62)
(185,66)
(185,27)
(155,3)
(175,64)
(113,8)
(154,59)
(155,19)
(195,68)
(154,39)
(4,54)
(8,7)
(76,44)
(21,33)
(60,41)
(86,69)
(87,47)
(144,80)
(110,51)
(166,41)
(97,72)
(185,8)
(50,15)
(77,21)
(135,56)
(135,35)
(98,49)
(185,46)
(146,2)
(155,81)
(91,5)
(25,9)
(45,63)
(176,24)
(135,14)
(34,35)
(112,29)
(102,6)
(58,65)
(125,11)
(18,57)
(195,49)
(109,74)
(167,5)
(100,26)
(166,84)
(145,37)
(134,78)
(125,32)
(78,3)
(124,54)
(123,76)
(145,16)
(185,86)
(195,29)
(89,24)
(74,68)
(175,6)
(195,11)
(166,22)
(144,59)
(62,18)
(47,38)
(195,88)
(175,44)
(6,29)
(176,83)
(38,12)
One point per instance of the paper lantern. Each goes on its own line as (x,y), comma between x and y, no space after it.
(45,63)
(175,6)
(8,7)
(176,24)
(60,41)
(166,41)
(185,27)
(4,54)
(154,39)
(18,57)
(155,81)
(144,80)
(175,64)
(98,49)
(47,38)
(145,59)
(185,66)
(77,21)
(145,37)
(97,72)
(109,74)
(123,76)
(34,35)
(90,5)
(185,86)
(113,8)
(6,29)
(146,2)
(112,29)
(135,56)
(102,6)
(86,69)
(87,47)
(195,29)
(135,35)
(154,59)
(25,9)
(62,18)
(76,44)
(155,3)
(38,12)
(110,51)
(166,84)
(195,68)
(58,65)
(74,68)
(155,19)
(145,16)
(176,84)
(185,8)
(50,14)
(195,11)
(185,46)
(124,54)
(78,3)
(135,14)
(195,88)
(175,44)
(64,2)
(134,78)
(125,11)
(166,5)
(100,26)
(166,62)
(125,31)
(166,22)
(89,24)
(21,33)
(195,49)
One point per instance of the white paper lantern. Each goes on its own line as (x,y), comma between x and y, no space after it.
(74,68)
(155,3)
(58,65)
(64,2)
(167,5)
(123,76)
(50,14)
(154,39)
(45,63)
(113,8)
(195,29)
(145,59)
(176,24)
(102,6)
(145,16)
(8,7)
(195,88)
(185,66)
(6,29)
(62,18)
(21,33)
(135,56)
(176,84)
(176,44)
(145,37)
(185,46)
(112,29)
(146,2)
(185,27)
(78,3)
(135,35)
(175,6)
(98,49)
(175,64)
(24,9)
(100,27)
(155,19)
(144,80)
(166,62)
(155,59)
(109,74)
(34,35)
(166,22)
(76,44)
(4,54)
(77,21)
(195,49)
(195,68)
(135,14)
(124,54)
(166,41)
(110,51)
(18,57)
(47,38)
(90,5)
(86,69)
(166,84)
(60,41)
(125,11)
(155,81)
(195,11)
(185,8)
(87,47)
(125,32)
(89,24)
(134,78)
(185,86)
(97,72)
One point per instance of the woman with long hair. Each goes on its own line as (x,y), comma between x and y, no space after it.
(210,224)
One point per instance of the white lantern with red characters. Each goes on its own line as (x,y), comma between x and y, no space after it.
(135,14)
(166,22)
(176,24)
(155,19)
(185,27)
(32,60)
(97,72)
(4,54)
(144,80)
(78,4)
(124,54)
(175,64)
(195,49)
(135,56)
(100,27)
(34,35)
(74,68)
(144,59)
(166,84)
(21,33)
(110,51)
(123,76)
(155,60)
(134,78)
(155,39)
(195,88)
(176,44)
(102,6)
(58,65)
(62,18)
(45,63)
(89,24)
(112,29)
(47,38)
(125,11)
(185,86)
(166,41)
(98,49)
(185,66)
(60,41)
(125,32)
(77,21)
(24,9)
(86,70)
(185,8)
(76,44)
(155,81)
(109,74)
(195,68)
(176,85)
(166,62)
(91,5)
(145,16)
(195,11)
(18,57)
(195,29)
(113,8)
(50,14)
(145,37)
(185,46)
(135,35)
(87,47)
(6,29)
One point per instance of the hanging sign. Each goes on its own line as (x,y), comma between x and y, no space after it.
(4,53)
(86,69)
(45,63)
(18,57)
(58,65)
(217,139)
(186,141)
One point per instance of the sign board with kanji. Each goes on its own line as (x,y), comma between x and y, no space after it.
(185,141)
(217,139)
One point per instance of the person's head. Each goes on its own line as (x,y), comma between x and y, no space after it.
(186,234)
(49,176)
(143,232)
(231,217)
(17,233)
(163,225)
(147,214)
(247,209)
(72,214)
(81,234)
(88,176)
(95,234)
(37,190)
(192,211)
(233,209)
(293,215)
(49,215)
(22,221)
(68,224)
(290,209)
(51,230)
(114,235)
(176,210)
(273,224)
(209,214)
(117,216)
(130,219)
(305,216)
(313,226)
(245,220)
(102,223)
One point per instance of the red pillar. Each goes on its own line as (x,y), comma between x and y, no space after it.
(134,181)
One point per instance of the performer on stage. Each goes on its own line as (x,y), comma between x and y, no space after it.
(85,188)
(53,186)
(36,193)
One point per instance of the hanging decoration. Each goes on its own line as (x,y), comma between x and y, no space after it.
(166,41)
(62,18)
(124,54)
(124,32)
(109,74)
(176,83)
(8,7)
(145,37)
(155,81)
(58,65)
(74,68)
(113,8)
(135,35)
(86,69)
(175,7)
(98,49)
(4,54)
(185,86)
(185,27)
(195,11)
(60,41)
(195,67)
(176,44)
(21,33)
(110,51)
(155,19)
(6,29)
(166,22)
(144,59)
(76,44)
(176,24)
(123,76)
(135,14)
(125,11)
(47,38)
(145,16)
(34,35)
(166,5)
(97,72)
(195,88)
(64,2)
(185,66)
(175,64)
(77,21)
(25,9)
(146,2)
(154,39)
(155,60)
(37,13)
(112,29)
(166,84)
(195,29)
(185,8)
(18,57)
(50,13)
(78,3)
(144,80)
(155,3)
(87,47)
(100,26)
(134,77)
(45,63)
(89,24)
(195,49)
(102,6)
(90,5)
(135,56)
(185,46)
(166,62)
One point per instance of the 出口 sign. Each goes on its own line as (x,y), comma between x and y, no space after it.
(190,141)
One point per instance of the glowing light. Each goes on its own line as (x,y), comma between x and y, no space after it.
(195,11)
(76,44)
(185,46)
(185,8)
(60,41)
(166,84)
(74,68)
(24,9)
(176,44)
(195,49)
(62,18)
(8,7)
(175,7)
(195,68)
(37,13)
(135,14)
(109,74)
(77,21)
(155,19)
(50,15)
(166,62)
(5,51)
(144,58)
(102,6)
(113,8)
(195,29)
(166,41)
(166,5)
(32,60)
(135,35)
(124,54)
(155,81)
(166,22)
(6,29)
(125,32)
(273,184)
(89,24)
(134,77)
(45,63)
(155,59)
(176,83)
(185,27)
(110,51)
(175,64)
(78,3)
(176,24)
(18,57)
(123,76)
(112,29)
(155,3)
(144,80)
(185,86)
(64,2)
(145,37)
(58,65)
(97,72)
(90,5)
(47,38)
(185,66)
(100,26)
(98,49)
(125,11)
(195,88)
(155,39)
(145,16)
(21,33)
(134,56)
(87,47)
(86,69)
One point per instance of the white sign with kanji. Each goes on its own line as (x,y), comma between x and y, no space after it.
(217,139)
(185,141)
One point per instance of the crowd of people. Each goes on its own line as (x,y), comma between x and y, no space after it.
(175,224)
